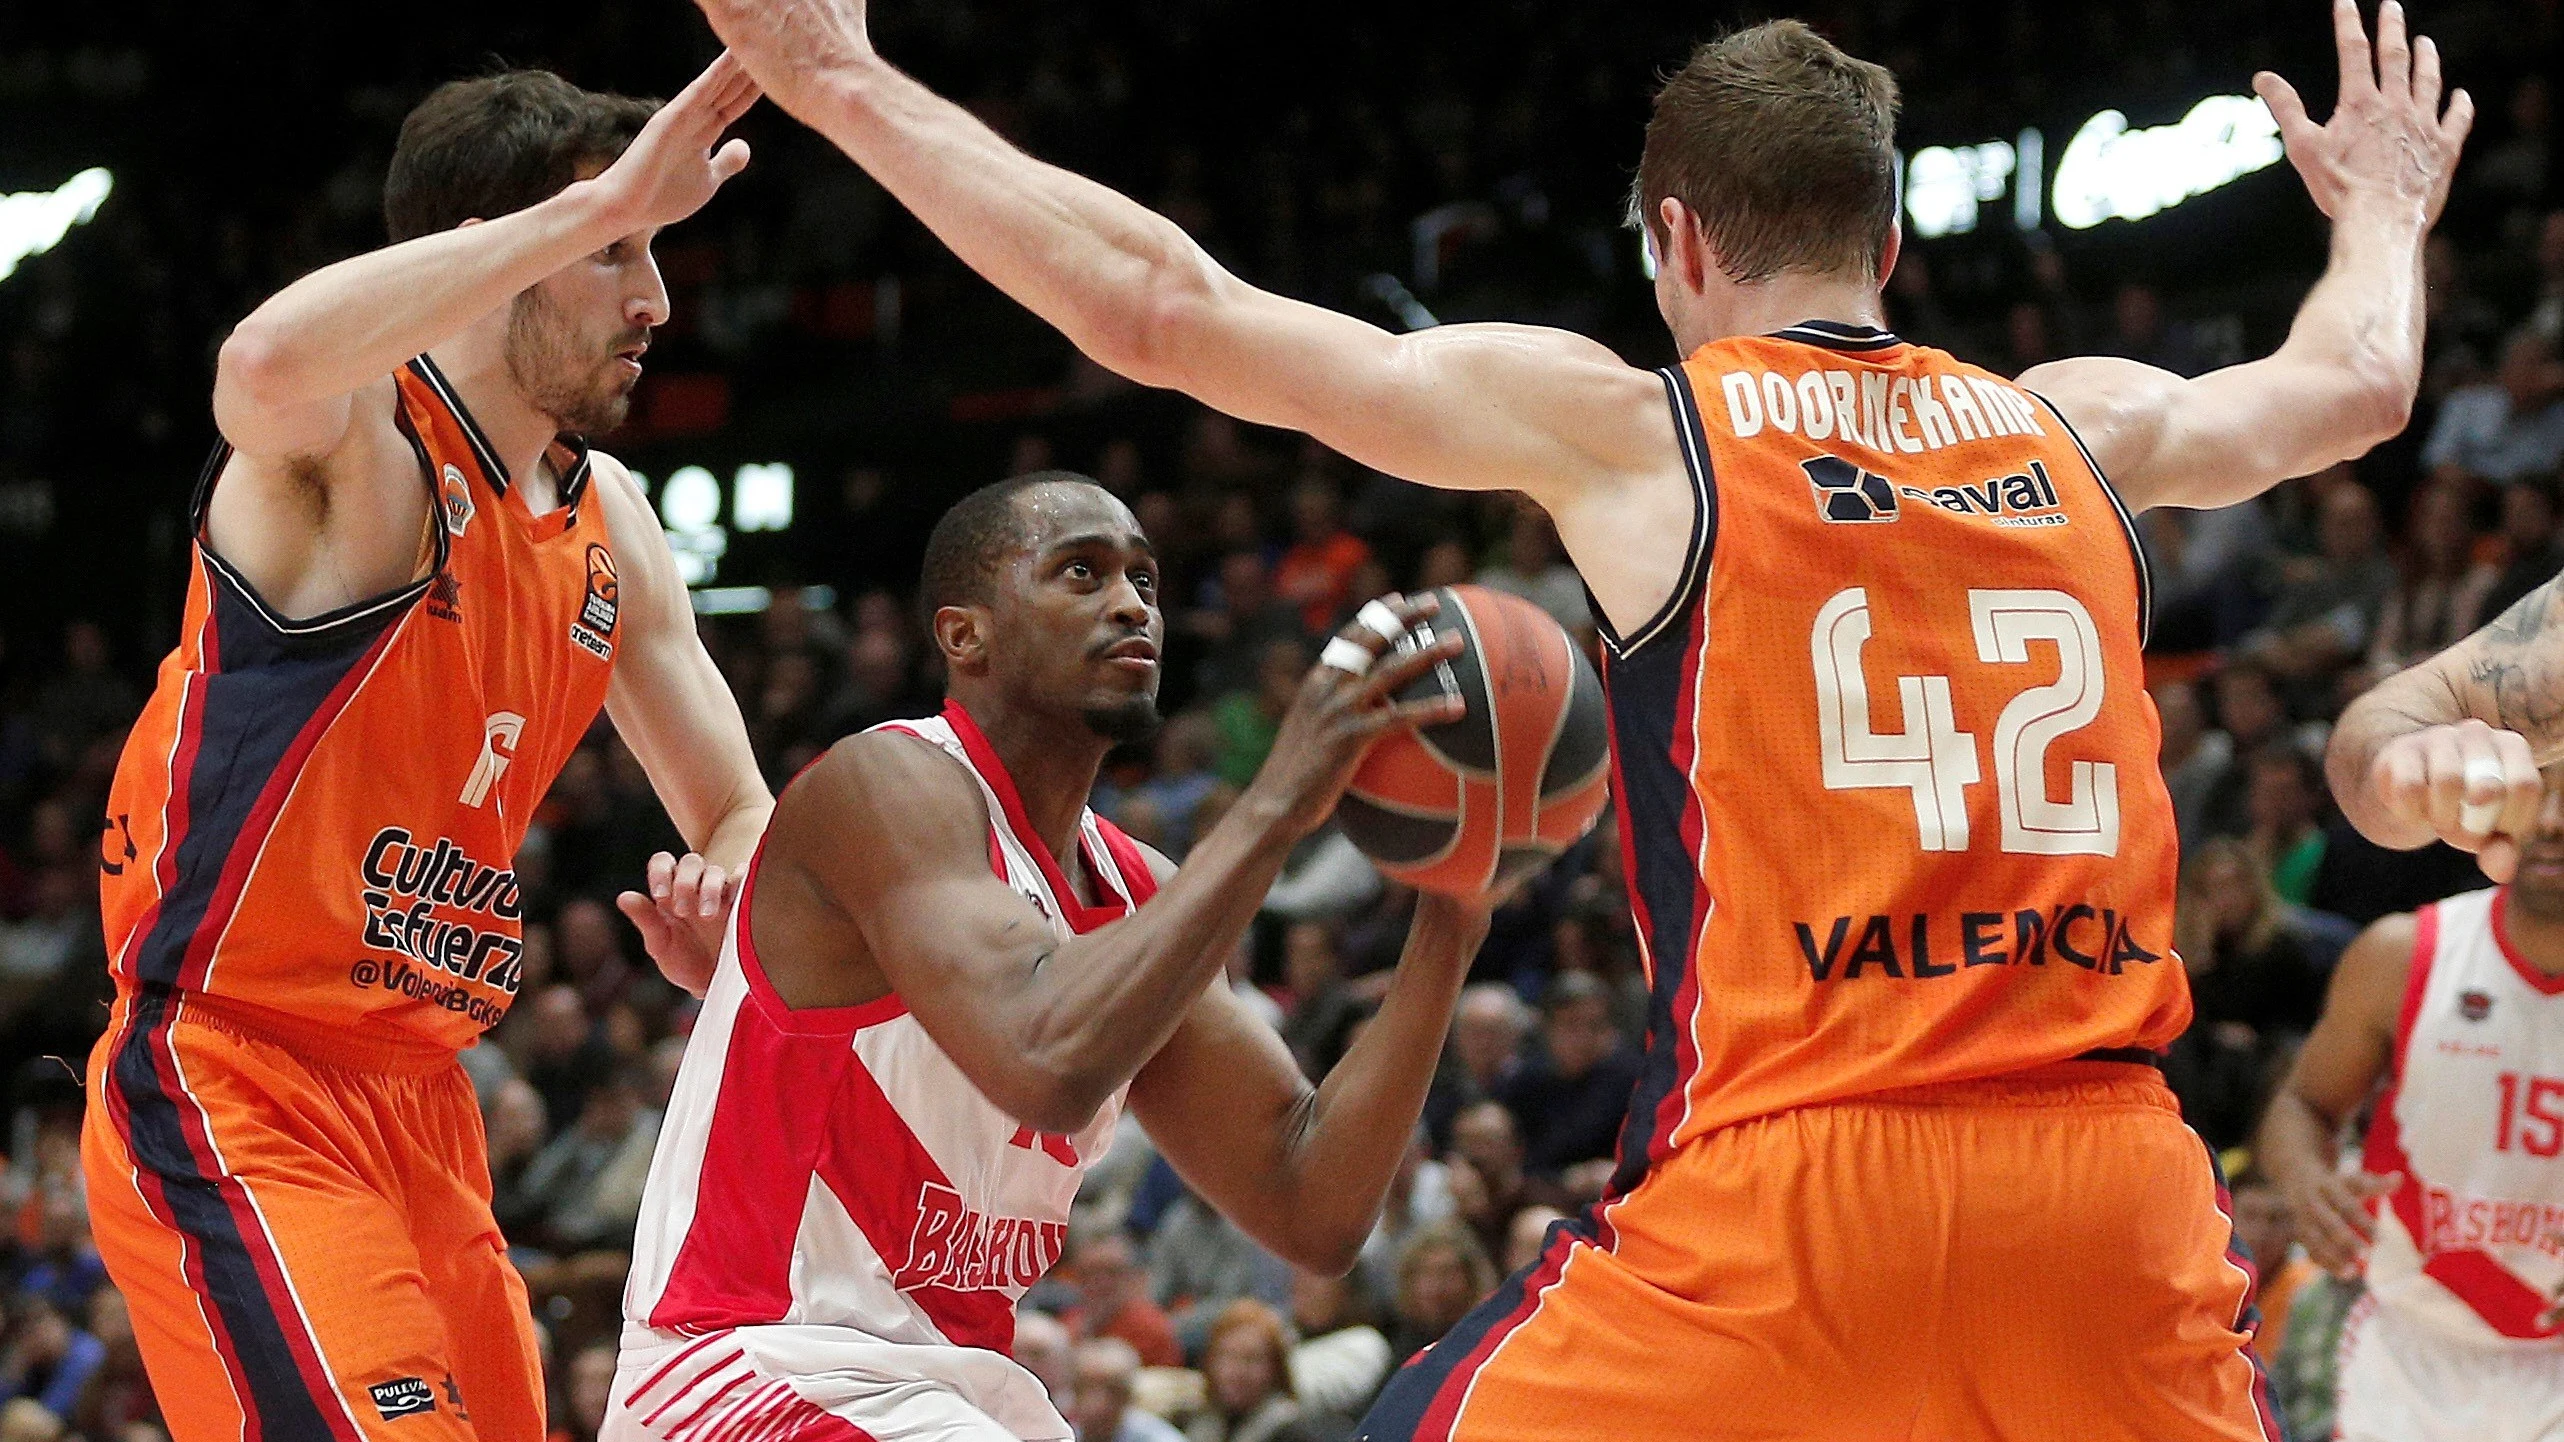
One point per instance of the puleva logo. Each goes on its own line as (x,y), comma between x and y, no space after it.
(457,496)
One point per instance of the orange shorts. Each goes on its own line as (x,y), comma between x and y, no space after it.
(2035,1257)
(303,1235)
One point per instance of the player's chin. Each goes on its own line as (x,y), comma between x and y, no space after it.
(1126,718)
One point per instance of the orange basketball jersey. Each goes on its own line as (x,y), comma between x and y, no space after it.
(316,821)
(1891,805)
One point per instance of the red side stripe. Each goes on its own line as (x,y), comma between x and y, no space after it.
(262,1253)
(735,1266)
(733,1355)
(173,817)
(881,1173)
(1444,1414)
(666,1367)
(2271,1430)
(1670,1109)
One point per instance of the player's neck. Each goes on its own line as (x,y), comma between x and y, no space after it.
(2537,940)
(1053,765)
(1765,306)
(516,430)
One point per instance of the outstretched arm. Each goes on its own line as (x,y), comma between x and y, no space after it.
(1304,1169)
(1496,407)
(284,383)
(2449,750)
(2344,380)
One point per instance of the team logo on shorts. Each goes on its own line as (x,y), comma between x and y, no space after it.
(2474,1005)
(593,632)
(402,1397)
(1846,494)
(457,495)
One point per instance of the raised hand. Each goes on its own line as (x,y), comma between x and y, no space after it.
(2473,786)
(679,159)
(2388,139)
(791,46)
(682,919)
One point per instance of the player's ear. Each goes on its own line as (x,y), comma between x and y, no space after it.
(961,633)
(1894,248)
(1687,254)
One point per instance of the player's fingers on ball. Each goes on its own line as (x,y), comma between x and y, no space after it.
(2482,781)
(1432,711)
(1394,674)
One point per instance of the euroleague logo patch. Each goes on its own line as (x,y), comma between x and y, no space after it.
(456,494)
(593,631)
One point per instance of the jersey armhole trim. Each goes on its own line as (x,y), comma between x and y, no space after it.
(2416,984)
(1693,579)
(2127,521)
(344,617)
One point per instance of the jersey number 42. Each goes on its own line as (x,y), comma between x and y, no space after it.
(1937,761)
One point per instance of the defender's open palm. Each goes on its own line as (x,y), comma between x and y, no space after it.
(679,159)
(2388,139)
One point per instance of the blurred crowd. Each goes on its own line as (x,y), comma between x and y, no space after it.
(1472,160)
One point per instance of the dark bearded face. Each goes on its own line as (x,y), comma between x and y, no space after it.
(577,375)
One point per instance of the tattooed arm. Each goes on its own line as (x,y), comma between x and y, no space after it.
(2449,750)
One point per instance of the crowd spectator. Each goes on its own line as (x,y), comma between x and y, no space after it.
(2505,428)
(1113,1296)
(1567,1101)
(1442,1273)
(1246,1366)
(1103,1373)
(2535,552)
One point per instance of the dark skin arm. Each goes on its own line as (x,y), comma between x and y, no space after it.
(877,881)
(2337,1069)
(1304,1169)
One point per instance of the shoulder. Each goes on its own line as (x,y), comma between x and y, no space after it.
(875,787)
(618,493)
(2368,983)
(2101,392)
(1160,867)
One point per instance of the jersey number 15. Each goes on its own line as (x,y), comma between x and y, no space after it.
(1937,761)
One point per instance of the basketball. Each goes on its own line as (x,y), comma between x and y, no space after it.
(1474,804)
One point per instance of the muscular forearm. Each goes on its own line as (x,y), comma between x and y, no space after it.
(1359,1123)
(2364,318)
(347,325)
(1090,1014)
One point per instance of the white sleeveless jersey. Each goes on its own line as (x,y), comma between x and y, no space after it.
(834,1166)
(2472,1244)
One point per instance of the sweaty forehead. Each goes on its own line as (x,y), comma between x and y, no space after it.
(1064,511)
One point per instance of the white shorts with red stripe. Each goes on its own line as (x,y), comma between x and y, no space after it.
(2406,1381)
(820,1384)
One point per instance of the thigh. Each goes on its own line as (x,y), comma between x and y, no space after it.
(443,1176)
(2097,1289)
(274,1291)
(1756,1286)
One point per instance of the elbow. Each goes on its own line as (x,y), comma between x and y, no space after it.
(1056,1101)
(1327,1253)
(2376,408)
(255,364)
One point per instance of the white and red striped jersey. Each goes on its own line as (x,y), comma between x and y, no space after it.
(2472,1244)
(833,1166)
